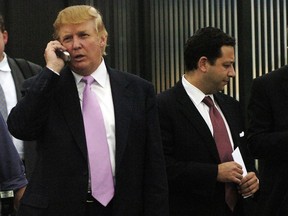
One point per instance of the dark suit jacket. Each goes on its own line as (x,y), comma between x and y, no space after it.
(50,112)
(29,147)
(268,139)
(12,173)
(191,154)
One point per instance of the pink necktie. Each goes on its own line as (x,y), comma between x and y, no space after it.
(98,152)
(223,146)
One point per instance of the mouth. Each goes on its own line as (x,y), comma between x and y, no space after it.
(78,57)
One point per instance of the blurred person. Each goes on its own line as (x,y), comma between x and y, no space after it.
(12,74)
(267,139)
(12,173)
(195,117)
(56,111)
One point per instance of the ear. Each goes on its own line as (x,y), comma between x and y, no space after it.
(5,37)
(103,40)
(202,63)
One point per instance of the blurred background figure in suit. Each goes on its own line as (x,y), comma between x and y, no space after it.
(12,74)
(12,173)
(268,139)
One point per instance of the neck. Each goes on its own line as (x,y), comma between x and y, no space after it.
(2,57)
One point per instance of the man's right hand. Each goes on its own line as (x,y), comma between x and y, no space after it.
(230,172)
(52,61)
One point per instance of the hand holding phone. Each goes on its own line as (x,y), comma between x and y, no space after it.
(63,55)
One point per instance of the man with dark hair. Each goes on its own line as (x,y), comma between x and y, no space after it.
(12,74)
(200,128)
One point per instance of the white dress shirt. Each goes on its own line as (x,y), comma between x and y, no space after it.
(197,96)
(8,86)
(102,89)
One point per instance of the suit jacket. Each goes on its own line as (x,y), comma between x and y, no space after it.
(50,112)
(191,154)
(268,139)
(12,173)
(29,146)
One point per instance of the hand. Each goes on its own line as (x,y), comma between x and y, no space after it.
(230,172)
(53,62)
(18,196)
(249,184)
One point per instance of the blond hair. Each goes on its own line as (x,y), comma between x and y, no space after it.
(78,14)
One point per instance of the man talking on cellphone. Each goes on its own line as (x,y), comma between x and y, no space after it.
(97,130)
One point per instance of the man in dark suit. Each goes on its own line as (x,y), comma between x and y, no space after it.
(51,112)
(12,173)
(268,139)
(196,174)
(12,74)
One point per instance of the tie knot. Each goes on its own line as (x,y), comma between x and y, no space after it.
(208,101)
(88,80)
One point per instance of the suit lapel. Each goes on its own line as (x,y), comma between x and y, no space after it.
(68,99)
(122,99)
(188,109)
(123,103)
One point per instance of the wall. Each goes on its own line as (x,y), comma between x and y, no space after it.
(146,37)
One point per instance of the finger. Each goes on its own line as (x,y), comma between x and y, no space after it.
(237,178)
(249,177)
(248,189)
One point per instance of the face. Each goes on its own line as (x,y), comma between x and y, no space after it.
(219,74)
(3,42)
(84,45)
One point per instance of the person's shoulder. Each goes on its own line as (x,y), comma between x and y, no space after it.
(34,65)
(277,74)
(129,77)
(170,94)
(226,98)
(27,67)
(166,92)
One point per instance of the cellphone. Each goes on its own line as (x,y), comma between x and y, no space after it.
(63,55)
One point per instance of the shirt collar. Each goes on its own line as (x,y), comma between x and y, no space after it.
(4,66)
(194,93)
(100,74)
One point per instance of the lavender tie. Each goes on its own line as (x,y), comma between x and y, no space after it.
(224,147)
(99,161)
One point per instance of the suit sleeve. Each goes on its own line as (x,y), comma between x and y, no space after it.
(12,173)
(156,187)
(26,119)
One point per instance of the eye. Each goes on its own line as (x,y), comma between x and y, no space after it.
(83,35)
(228,65)
(66,39)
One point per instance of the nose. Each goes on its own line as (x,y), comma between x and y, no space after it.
(231,72)
(76,43)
